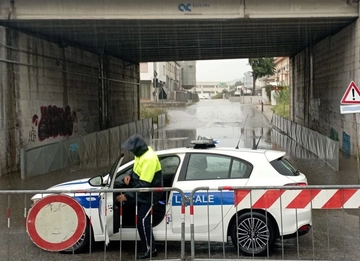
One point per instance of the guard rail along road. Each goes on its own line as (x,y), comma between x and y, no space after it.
(322,146)
(91,151)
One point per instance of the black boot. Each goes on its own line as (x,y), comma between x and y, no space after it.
(147,254)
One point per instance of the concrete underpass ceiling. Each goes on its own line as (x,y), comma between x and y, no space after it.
(160,40)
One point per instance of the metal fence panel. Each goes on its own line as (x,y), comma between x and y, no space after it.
(332,153)
(43,159)
(92,150)
(124,135)
(70,152)
(140,128)
(321,148)
(161,121)
(299,135)
(274,120)
(103,148)
(324,147)
(114,145)
(283,125)
(293,132)
(88,151)
(147,126)
(132,128)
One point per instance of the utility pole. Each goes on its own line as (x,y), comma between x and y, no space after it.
(155,83)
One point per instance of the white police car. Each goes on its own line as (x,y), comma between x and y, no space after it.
(203,164)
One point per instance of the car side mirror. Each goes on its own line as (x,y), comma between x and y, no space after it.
(96,181)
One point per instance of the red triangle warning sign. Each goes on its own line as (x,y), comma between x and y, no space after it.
(351,95)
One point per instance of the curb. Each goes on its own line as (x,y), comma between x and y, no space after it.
(259,109)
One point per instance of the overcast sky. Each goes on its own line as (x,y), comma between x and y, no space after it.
(221,70)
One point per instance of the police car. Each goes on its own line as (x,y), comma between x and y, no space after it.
(218,216)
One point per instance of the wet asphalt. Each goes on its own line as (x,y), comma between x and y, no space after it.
(335,234)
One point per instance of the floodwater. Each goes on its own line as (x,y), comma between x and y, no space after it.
(334,235)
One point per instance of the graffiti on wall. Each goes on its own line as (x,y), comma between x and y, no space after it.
(32,135)
(74,147)
(54,121)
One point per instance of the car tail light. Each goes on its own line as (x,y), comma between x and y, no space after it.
(300,184)
(304,228)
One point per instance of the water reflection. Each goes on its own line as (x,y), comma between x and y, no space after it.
(249,138)
(168,139)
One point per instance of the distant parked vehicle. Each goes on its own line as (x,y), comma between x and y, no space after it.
(238,91)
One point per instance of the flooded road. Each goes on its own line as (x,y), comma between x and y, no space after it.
(335,233)
(222,120)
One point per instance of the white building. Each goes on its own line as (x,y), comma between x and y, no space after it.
(168,80)
(209,89)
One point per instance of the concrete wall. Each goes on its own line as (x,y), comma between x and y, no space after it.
(321,74)
(247,99)
(49,93)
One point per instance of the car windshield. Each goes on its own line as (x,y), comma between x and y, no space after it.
(284,167)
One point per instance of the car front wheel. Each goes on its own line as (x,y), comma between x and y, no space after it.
(253,233)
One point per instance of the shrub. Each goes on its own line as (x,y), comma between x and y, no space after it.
(282,106)
(153,112)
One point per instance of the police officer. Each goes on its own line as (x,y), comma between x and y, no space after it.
(145,173)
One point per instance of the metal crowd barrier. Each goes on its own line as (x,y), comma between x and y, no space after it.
(334,235)
(16,242)
(334,211)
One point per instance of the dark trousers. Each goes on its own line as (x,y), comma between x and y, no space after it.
(144,227)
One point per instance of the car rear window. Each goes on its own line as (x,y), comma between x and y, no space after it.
(284,167)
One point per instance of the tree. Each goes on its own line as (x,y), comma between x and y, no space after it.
(238,83)
(261,67)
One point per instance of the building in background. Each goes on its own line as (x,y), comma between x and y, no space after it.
(206,90)
(281,76)
(282,71)
(172,85)
(149,72)
(188,74)
(168,77)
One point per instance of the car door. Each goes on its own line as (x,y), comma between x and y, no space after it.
(169,165)
(212,170)
(106,214)
(106,202)
(118,183)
